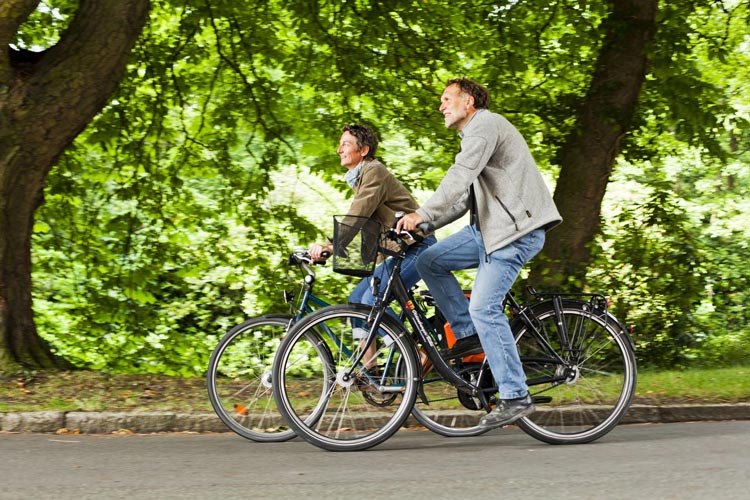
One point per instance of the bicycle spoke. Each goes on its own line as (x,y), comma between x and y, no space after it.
(360,407)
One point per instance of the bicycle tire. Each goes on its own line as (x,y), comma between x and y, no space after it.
(594,391)
(239,379)
(358,412)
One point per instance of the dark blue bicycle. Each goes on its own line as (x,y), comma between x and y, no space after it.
(239,370)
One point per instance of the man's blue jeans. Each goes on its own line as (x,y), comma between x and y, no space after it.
(483,313)
(362,293)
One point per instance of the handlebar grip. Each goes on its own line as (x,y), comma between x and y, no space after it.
(325,255)
(397,217)
(425,227)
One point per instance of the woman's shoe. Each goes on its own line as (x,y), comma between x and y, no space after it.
(425,361)
(463,347)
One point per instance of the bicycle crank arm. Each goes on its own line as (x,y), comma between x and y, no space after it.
(388,388)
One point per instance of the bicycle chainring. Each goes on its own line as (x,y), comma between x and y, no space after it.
(470,373)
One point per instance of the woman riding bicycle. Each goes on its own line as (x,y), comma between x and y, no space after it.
(378,195)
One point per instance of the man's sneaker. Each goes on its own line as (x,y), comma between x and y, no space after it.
(508,411)
(463,347)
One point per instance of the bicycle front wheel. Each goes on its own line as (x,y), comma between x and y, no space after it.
(339,404)
(582,387)
(239,379)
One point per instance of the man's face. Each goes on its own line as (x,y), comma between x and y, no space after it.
(350,154)
(455,106)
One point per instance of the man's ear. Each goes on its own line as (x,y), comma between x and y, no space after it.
(469,101)
(365,151)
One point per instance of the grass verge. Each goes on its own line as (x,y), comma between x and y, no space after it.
(717,385)
(95,391)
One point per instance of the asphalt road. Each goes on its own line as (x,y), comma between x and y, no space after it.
(650,461)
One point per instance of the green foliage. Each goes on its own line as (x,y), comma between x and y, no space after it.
(675,225)
(655,262)
(673,253)
(168,220)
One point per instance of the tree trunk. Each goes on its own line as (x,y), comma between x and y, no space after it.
(46,100)
(589,153)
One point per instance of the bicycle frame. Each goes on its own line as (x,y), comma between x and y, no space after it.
(395,290)
(308,297)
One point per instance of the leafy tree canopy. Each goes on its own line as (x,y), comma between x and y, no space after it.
(167,217)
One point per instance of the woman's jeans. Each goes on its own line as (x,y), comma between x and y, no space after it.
(362,293)
(483,313)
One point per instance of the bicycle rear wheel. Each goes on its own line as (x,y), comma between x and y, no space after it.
(239,379)
(585,396)
(357,411)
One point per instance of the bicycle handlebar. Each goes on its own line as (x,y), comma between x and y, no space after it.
(396,235)
(425,227)
(302,258)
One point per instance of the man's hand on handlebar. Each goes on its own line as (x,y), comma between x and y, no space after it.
(409,222)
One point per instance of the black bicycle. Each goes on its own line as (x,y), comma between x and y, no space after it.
(579,362)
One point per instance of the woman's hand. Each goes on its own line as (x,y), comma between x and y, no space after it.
(316,251)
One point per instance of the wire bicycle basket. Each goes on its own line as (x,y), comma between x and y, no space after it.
(356,242)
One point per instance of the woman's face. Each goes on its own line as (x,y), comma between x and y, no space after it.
(349,152)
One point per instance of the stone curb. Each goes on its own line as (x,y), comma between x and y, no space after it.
(109,422)
(153,422)
(686,413)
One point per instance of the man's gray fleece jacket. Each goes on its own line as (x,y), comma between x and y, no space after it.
(512,198)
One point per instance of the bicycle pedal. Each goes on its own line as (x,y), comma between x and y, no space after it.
(541,399)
